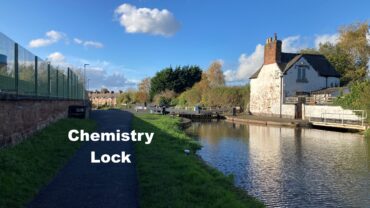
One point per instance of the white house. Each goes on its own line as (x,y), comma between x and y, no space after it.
(288,75)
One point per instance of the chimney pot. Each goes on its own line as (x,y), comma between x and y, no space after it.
(272,52)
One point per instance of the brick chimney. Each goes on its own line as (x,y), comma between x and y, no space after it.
(272,50)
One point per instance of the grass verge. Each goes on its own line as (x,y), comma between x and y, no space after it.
(31,164)
(169,178)
(367,133)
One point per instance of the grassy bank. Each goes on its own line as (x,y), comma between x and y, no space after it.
(27,166)
(367,133)
(169,178)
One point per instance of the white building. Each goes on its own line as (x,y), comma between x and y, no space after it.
(285,75)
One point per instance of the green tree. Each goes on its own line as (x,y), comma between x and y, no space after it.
(177,80)
(359,98)
(350,56)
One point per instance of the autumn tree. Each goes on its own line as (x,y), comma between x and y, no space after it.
(142,95)
(215,75)
(350,56)
(164,98)
(353,41)
(144,85)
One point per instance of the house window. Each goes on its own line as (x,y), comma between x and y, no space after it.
(301,76)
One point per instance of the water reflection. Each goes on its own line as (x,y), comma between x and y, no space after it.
(289,167)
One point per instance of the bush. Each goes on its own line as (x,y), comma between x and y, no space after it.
(358,99)
(164,98)
(367,133)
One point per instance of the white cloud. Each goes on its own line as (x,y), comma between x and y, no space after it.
(146,20)
(88,43)
(248,64)
(326,38)
(293,44)
(78,41)
(52,37)
(56,58)
(93,44)
(99,78)
(102,73)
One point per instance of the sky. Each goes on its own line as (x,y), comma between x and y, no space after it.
(126,41)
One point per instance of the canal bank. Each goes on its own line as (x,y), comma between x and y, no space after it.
(169,177)
(274,121)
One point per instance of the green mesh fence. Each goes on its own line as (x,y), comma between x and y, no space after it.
(24,74)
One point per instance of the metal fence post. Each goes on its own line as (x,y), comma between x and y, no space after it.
(16,69)
(57,81)
(63,86)
(36,73)
(68,83)
(49,82)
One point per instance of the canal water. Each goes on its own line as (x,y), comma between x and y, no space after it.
(287,167)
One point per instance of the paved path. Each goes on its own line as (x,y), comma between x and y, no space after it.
(82,184)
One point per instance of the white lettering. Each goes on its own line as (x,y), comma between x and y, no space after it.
(149,137)
(139,135)
(70,136)
(133,135)
(115,158)
(125,137)
(95,137)
(75,135)
(93,160)
(105,158)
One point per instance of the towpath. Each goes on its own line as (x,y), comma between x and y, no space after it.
(82,184)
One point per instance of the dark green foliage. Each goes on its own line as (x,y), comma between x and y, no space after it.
(26,167)
(163,101)
(177,80)
(170,178)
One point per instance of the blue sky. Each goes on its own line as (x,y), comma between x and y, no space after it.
(122,51)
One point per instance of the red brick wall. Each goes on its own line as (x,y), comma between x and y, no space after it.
(19,119)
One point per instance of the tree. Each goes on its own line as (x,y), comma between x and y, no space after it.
(177,80)
(161,81)
(215,76)
(353,41)
(144,85)
(104,90)
(142,95)
(350,56)
(164,98)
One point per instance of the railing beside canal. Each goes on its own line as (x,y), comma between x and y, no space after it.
(349,119)
(310,100)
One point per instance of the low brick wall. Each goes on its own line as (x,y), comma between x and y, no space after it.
(21,118)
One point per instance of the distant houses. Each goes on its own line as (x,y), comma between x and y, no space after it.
(103,98)
(286,80)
